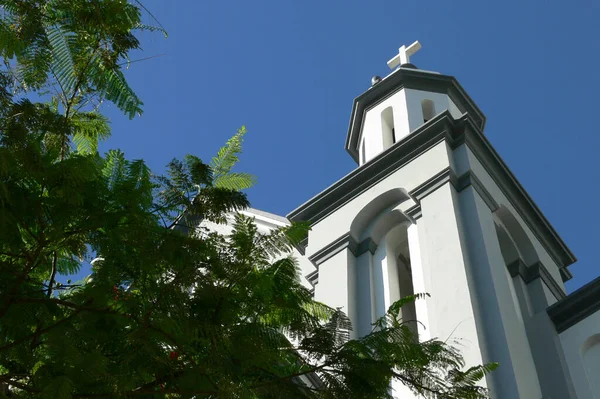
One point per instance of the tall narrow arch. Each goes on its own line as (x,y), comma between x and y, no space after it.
(523,244)
(363,151)
(428,108)
(377,205)
(387,126)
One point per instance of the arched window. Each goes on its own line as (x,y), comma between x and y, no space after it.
(363,151)
(428,109)
(387,125)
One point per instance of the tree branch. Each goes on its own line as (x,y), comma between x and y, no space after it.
(52,275)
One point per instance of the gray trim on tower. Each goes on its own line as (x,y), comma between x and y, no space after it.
(536,270)
(333,248)
(366,245)
(454,132)
(414,212)
(576,307)
(433,183)
(469,179)
(313,278)
(408,78)
(338,245)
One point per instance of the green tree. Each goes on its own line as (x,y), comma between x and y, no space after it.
(169,309)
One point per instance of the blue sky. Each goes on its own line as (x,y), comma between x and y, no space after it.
(289,71)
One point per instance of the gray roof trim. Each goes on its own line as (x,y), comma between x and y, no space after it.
(411,79)
(414,212)
(469,179)
(432,184)
(576,307)
(336,246)
(454,132)
(534,271)
(333,248)
(313,278)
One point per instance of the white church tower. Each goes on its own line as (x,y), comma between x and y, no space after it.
(432,208)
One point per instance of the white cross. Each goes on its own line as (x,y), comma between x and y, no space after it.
(404,54)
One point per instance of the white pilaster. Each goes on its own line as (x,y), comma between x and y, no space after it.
(498,314)
(364,294)
(451,307)
(419,286)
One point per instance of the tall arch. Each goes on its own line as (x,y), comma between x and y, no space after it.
(428,108)
(368,214)
(384,226)
(387,128)
(519,237)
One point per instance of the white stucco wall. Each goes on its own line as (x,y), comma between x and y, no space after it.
(504,336)
(581,344)
(337,284)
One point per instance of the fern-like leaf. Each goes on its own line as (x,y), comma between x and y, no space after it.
(111,82)
(62,59)
(88,129)
(227,156)
(235,181)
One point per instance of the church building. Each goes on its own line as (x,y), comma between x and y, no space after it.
(432,208)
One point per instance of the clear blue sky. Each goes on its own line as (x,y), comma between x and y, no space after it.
(289,71)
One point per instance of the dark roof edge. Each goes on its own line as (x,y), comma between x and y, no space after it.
(576,306)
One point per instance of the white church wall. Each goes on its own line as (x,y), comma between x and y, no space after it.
(337,283)
(464,159)
(504,336)
(411,175)
(581,344)
(451,306)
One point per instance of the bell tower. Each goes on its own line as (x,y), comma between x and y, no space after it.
(382,117)
(432,208)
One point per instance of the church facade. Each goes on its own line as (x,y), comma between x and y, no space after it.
(432,208)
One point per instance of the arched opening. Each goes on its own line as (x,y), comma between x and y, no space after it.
(428,109)
(510,254)
(366,219)
(509,250)
(384,263)
(387,126)
(591,361)
(518,235)
(363,151)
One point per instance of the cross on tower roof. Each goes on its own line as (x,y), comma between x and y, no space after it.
(404,54)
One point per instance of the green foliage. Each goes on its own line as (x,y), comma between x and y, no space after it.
(171,309)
